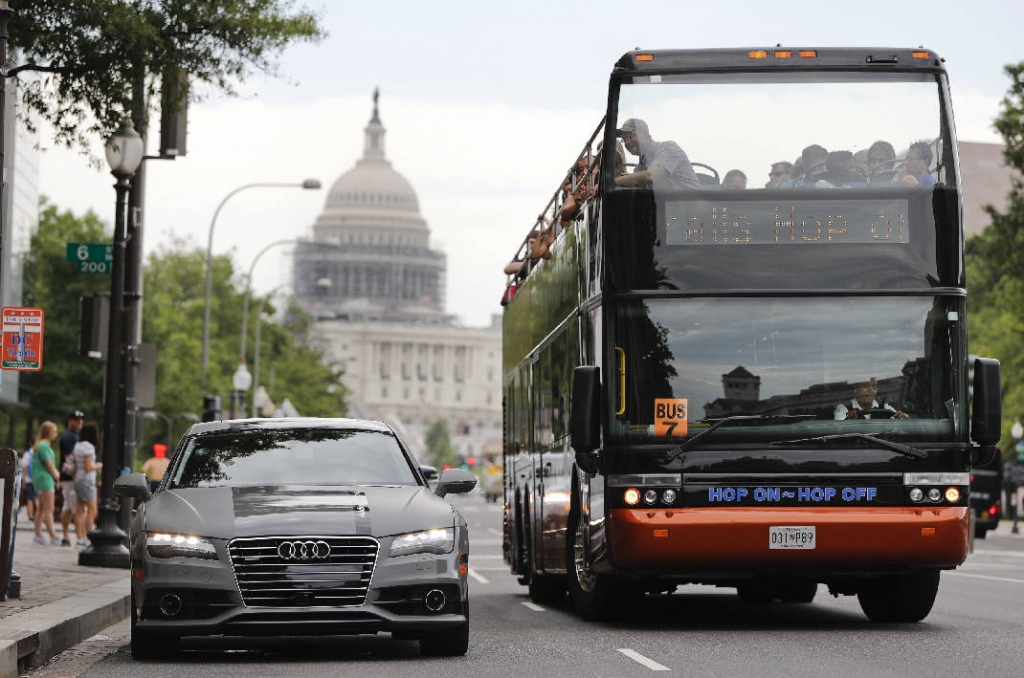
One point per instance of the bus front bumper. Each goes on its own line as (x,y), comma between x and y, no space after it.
(647,540)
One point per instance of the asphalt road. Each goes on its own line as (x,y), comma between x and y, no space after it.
(976,628)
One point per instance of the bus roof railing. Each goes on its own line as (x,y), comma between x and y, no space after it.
(781,57)
(556,201)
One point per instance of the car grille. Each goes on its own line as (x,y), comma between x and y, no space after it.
(314,572)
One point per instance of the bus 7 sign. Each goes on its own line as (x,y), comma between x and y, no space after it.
(670,416)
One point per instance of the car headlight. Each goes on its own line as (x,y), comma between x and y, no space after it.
(164,545)
(440,540)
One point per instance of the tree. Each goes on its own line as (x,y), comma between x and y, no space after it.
(995,263)
(54,284)
(439,445)
(91,56)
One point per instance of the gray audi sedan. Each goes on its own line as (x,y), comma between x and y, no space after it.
(286,527)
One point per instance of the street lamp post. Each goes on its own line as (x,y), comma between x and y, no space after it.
(256,349)
(308,184)
(124,153)
(1013,476)
(248,295)
(241,380)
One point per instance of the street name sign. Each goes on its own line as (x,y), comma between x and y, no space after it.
(91,257)
(22,338)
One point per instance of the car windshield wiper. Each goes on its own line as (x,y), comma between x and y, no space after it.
(756,418)
(887,444)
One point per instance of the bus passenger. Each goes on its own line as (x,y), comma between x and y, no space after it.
(916,164)
(865,398)
(663,164)
(734,179)
(518,266)
(841,171)
(812,162)
(780,173)
(881,161)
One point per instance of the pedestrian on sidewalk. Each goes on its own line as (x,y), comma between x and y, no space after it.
(85,481)
(44,478)
(156,466)
(68,440)
(28,490)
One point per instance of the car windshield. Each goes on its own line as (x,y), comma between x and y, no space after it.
(293,457)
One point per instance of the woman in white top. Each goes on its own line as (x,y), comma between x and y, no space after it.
(85,481)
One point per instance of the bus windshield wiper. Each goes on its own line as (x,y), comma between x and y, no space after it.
(758,418)
(887,444)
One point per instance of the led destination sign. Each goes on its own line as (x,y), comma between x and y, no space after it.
(770,222)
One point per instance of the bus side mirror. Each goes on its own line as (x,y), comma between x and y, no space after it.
(585,422)
(987,409)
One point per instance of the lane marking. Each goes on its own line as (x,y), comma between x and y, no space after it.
(640,659)
(986,552)
(985,576)
(477,577)
(534,607)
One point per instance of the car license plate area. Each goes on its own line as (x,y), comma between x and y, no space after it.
(792,537)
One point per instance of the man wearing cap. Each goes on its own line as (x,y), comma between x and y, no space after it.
(662,163)
(68,440)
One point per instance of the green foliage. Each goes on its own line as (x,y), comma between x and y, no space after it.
(439,445)
(54,284)
(174,298)
(90,56)
(995,265)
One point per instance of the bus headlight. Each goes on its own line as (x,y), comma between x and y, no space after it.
(631,496)
(916,494)
(934,494)
(650,496)
(952,495)
(668,496)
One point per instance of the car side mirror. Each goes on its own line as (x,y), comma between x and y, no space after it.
(585,422)
(455,481)
(429,472)
(134,485)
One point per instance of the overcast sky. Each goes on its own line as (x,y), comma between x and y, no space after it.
(485,106)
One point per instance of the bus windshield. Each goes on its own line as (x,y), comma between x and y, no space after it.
(860,125)
(864,364)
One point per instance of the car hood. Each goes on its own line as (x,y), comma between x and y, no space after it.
(229,512)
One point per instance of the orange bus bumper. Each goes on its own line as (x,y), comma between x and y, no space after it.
(644,539)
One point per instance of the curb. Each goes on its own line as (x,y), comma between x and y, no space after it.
(39,634)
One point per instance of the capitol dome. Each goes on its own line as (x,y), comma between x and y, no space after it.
(370,253)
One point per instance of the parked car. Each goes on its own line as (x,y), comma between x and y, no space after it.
(986,495)
(291,527)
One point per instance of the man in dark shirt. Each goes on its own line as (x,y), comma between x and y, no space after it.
(68,440)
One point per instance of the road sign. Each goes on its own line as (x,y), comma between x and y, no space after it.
(22,338)
(91,257)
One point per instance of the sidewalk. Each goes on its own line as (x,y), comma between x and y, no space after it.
(62,603)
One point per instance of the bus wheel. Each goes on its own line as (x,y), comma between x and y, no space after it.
(546,589)
(903,598)
(799,591)
(595,597)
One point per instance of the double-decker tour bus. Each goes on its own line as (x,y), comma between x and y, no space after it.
(753,379)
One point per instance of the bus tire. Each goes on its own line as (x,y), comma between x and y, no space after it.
(902,598)
(595,597)
(799,591)
(547,589)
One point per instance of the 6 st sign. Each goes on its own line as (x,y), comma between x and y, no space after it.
(91,257)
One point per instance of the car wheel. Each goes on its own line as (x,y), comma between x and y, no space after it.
(448,643)
(146,645)
(903,599)
(979,532)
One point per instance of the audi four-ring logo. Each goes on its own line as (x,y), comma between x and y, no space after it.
(304,550)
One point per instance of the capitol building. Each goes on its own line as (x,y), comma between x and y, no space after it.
(376,289)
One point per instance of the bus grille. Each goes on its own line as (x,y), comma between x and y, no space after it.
(303,571)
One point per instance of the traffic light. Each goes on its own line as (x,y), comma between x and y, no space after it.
(211,408)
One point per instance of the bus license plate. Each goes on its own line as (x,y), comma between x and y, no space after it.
(791,537)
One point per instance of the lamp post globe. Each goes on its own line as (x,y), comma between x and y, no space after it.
(1017,430)
(241,380)
(124,150)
